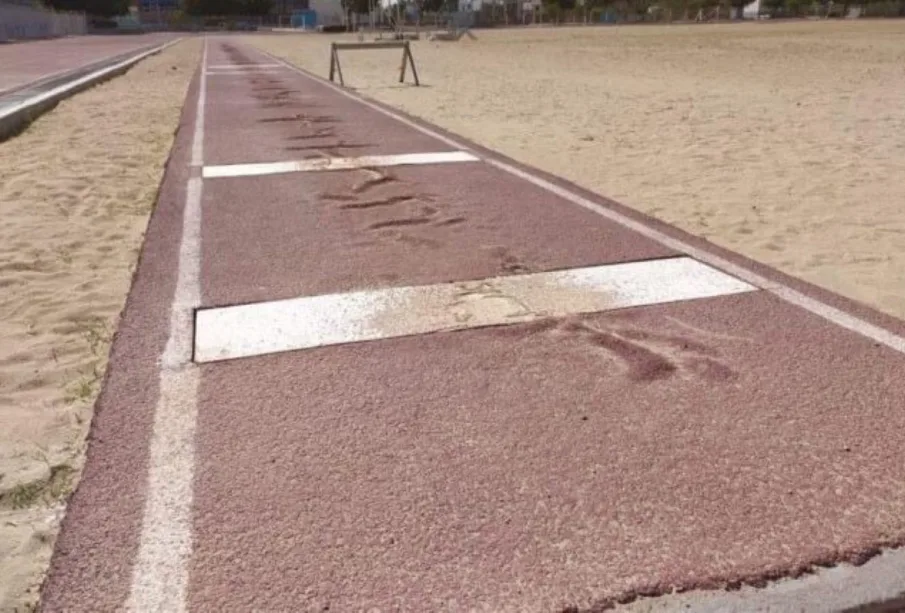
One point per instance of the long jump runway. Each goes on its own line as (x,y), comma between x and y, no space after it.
(366,366)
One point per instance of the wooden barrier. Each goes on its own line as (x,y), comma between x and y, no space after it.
(407,58)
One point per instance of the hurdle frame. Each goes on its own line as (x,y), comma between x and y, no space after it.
(407,58)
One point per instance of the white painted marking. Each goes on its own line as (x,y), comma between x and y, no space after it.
(323,164)
(160,575)
(313,321)
(198,135)
(792,296)
(66,87)
(827,312)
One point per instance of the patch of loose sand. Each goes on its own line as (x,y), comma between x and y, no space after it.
(76,190)
(782,141)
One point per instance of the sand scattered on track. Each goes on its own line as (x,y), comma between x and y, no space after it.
(76,190)
(782,141)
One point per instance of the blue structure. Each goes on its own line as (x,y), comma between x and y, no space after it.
(304,19)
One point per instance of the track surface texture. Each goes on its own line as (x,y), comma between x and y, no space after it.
(26,63)
(563,464)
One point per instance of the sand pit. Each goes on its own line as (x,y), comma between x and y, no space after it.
(76,190)
(782,141)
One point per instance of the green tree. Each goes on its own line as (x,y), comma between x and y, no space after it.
(774,8)
(357,7)
(598,8)
(227,8)
(99,8)
(639,9)
(210,7)
(256,8)
(437,6)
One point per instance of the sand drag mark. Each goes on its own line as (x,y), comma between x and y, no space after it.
(76,190)
(779,141)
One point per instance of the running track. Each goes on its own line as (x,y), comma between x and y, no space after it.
(28,62)
(551,462)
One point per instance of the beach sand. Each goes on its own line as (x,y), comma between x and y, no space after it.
(782,141)
(76,190)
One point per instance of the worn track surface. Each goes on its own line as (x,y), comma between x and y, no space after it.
(560,463)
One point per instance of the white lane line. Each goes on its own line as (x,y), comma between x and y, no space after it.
(314,321)
(786,293)
(322,164)
(160,575)
(198,134)
(74,85)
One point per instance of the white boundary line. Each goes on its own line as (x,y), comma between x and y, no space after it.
(792,296)
(198,135)
(160,574)
(325,164)
(66,87)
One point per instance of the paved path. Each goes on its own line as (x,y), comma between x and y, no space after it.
(727,428)
(24,64)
